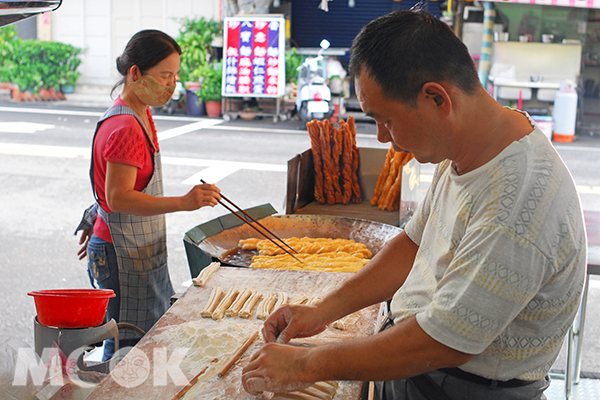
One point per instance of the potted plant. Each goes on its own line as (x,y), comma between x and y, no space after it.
(292,62)
(195,38)
(210,88)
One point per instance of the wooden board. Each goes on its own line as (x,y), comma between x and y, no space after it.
(184,316)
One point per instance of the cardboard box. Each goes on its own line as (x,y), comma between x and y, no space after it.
(301,182)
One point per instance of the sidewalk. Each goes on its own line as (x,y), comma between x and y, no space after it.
(89,96)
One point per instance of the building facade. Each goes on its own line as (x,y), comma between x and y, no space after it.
(103,27)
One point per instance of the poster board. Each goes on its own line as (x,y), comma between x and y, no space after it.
(254,56)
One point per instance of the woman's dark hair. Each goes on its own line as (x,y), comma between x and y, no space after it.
(405,49)
(145,49)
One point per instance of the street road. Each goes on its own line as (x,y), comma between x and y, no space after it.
(44,162)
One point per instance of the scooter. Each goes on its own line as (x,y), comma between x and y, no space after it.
(313,99)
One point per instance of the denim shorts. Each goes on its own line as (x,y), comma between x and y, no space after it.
(103,272)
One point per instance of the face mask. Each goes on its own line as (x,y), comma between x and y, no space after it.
(151,91)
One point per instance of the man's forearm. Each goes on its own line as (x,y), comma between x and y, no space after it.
(400,352)
(376,282)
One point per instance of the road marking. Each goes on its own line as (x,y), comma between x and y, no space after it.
(44,151)
(23,127)
(98,114)
(84,152)
(216,121)
(182,130)
(211,174)
(199,162)
(49,111)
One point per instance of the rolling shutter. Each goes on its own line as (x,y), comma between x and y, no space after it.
(340,25)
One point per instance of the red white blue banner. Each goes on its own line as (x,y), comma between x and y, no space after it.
(254,57)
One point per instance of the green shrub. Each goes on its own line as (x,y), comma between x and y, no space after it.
(36,64)
(195,38)
(292,62)
(211,76)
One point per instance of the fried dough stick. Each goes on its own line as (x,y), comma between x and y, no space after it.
(327,162)
(391,178)
(392,201)
(356,196)
(346,180)
(382,176)
(315,145)
(336,152)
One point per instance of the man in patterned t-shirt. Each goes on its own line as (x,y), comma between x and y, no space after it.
(485,280)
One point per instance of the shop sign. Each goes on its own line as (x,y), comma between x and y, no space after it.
(254,57)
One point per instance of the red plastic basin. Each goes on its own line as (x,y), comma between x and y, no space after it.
(71,308)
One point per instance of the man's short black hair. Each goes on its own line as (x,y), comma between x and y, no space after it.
(405,49)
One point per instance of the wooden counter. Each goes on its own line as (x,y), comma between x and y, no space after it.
(143,373)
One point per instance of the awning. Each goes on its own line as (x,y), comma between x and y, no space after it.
(16,10)
(563,3)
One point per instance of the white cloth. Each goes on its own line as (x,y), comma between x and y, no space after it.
(501,260)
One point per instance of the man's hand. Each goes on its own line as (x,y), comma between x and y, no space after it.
(294,321)
(84,239)
(277,368)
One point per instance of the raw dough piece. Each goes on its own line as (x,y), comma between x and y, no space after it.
(205,344)
(301,299)
(282,299)
(225,303)
(215,298)
(250,303)
(318,391)
(329,387)
(236,307)
(206,273)
(344,322)
(266,306)
(313,300)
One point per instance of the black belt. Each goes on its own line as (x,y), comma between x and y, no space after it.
(467,376)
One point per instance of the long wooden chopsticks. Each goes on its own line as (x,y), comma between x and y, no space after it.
(249,219)
(183,391)
(238,354)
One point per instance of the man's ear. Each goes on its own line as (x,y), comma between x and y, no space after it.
(437,94)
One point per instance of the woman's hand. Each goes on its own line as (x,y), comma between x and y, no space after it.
(201,196)
(84,239)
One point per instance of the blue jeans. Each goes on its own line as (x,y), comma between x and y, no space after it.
(103,271)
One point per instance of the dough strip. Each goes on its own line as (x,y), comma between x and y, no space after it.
(206,273)
(238,354)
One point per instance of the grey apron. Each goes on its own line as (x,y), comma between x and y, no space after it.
(141,247)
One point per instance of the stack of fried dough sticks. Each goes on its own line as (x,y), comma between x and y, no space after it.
(386,195)
(335,156)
